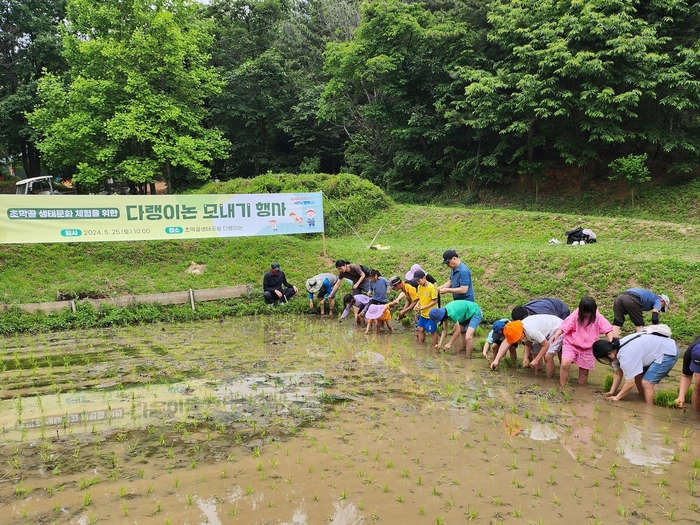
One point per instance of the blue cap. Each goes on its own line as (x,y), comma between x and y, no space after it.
(498,327)
(695,359)
(437,315)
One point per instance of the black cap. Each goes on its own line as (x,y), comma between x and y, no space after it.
(418,274)
(275,266)
(448,255)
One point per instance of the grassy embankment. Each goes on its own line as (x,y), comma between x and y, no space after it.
(506,250)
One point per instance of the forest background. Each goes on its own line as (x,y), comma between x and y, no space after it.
(422,99)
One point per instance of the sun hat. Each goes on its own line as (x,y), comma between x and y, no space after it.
(666,300)
(695,359)
(375,311)
(275,266)
(437,315)
(394,280)
(313,285)
(418,274)
(448,255)
(414,268)
(513,331)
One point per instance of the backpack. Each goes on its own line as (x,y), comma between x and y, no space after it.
(589,236)
(662,330)
(364,269)
(575,235)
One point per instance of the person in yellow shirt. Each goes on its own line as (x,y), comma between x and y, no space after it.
(406,291)
(427,299)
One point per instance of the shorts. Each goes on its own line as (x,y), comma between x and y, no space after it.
(427,324)
(471,323)
(628,304)
(657,371)
(582,358)
(554,346)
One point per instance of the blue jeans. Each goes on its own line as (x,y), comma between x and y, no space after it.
(657,371)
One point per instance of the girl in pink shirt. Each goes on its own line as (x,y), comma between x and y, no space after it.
(581,329)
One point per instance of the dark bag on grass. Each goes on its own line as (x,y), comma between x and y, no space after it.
(575,235)
(589,236)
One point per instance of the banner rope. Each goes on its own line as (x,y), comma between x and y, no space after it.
(346,221)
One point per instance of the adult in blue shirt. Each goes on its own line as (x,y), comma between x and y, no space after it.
(633,303)
(546,305)
(460,283)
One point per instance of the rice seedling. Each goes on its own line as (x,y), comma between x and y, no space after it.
(87,499)
(640,501)
(555,499)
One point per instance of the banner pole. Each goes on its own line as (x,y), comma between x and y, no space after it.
(323,236)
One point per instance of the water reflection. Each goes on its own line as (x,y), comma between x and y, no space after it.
(644,447)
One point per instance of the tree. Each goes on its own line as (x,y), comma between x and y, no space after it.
(30,43)
(567,77)
(269,54)
(536,170)
(632,169)
(134,103)
(387,90)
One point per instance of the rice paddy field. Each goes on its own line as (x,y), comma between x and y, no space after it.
(299,419)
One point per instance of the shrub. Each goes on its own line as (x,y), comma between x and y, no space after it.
(356,199)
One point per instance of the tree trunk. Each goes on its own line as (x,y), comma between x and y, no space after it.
(30,159)
(168,180)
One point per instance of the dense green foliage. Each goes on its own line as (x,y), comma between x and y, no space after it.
(412,96)
(134,101)
(30,46)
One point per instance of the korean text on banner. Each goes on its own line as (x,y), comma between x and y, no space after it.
(95,218)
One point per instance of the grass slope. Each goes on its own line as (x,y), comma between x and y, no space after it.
(506,250)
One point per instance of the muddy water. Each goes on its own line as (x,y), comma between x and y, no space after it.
(291,421)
